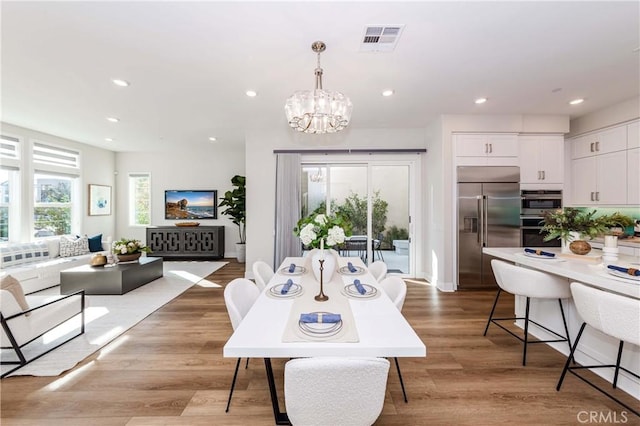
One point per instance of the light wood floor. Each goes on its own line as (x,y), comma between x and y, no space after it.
(169,370)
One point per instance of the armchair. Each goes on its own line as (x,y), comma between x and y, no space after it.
(22,327)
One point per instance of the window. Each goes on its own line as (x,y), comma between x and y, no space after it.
(55,190)
(139,199)
(9,187)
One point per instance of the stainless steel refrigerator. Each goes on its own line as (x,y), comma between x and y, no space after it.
(488,216)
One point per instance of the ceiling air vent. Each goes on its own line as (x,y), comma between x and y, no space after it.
(380,38)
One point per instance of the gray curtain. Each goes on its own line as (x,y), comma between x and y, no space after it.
(288,207)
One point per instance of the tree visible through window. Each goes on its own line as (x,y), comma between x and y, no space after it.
(52,205)
(140,198)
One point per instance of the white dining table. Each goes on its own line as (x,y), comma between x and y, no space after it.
(381,328)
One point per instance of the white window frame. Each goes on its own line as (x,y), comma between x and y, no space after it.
(132,198)
(10,160)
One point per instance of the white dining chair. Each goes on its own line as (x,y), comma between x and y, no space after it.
(262,273)
(529,283)
(378,269)
(609,313)
(239,296)
(335,391)
(396,289)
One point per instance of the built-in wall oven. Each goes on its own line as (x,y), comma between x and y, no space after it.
(534,205)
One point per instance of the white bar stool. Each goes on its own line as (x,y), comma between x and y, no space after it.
(612,314)
(531,284)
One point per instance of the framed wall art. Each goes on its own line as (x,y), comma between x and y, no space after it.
(99,200)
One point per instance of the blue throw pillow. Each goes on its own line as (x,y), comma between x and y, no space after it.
(95,243)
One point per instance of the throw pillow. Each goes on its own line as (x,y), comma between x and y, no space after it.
(73,247)
(13,286)
(95,243)
(20,253)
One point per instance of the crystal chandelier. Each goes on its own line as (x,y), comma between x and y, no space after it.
(318,111)
(317,177)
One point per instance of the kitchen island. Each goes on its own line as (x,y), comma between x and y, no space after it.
(595,347)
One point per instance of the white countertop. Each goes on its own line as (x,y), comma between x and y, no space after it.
(586,272)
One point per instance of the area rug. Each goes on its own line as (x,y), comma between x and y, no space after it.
(107,317)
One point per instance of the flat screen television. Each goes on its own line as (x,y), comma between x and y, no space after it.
(191,204)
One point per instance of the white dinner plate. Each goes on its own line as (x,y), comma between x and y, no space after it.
(350,290)
(320,330)
(298,271)
(294,291)
(623,275)
(345,270)
(540,256)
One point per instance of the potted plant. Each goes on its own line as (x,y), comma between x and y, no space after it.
(571,224)
(616,223)
(235,203)
(128,250)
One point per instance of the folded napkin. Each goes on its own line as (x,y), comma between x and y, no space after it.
(540,252)
(319,317)
(285,288)
(292,267)
(359,287)
(351,267)
(631,271)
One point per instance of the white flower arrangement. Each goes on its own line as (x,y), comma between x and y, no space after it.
(320,227)
(129,246)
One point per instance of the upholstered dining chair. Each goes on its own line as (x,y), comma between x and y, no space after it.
(609,313)
(239,296)
(262,273)
(335,391)
(529,283)
(396,289)
(378,269)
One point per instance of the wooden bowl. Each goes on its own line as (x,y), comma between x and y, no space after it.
(580,247)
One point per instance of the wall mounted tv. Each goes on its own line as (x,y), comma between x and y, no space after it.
(191,204)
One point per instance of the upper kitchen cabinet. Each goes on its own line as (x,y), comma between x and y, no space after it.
(602,142)
(633,136)
(541,159)
(487,149)
(633,176)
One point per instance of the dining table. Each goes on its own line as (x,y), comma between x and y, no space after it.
(368,325)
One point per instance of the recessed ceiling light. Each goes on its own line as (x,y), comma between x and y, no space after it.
(480,100)
(212,139)
(576,101)
(387,92)
(113,119)
(119,82)
(251,93)
(108,139)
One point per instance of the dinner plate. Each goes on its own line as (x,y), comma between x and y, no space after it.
(345,270)
(624,275)
(350,290)
(298,271)
(540,256)
(294,291)
(320,330)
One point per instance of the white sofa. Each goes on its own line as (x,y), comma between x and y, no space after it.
(37,265)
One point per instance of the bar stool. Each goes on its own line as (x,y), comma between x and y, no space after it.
(529,283)
(611,314)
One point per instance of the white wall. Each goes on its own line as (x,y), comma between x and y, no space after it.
(260,161)
(97,166)
(211,167)
(615,114)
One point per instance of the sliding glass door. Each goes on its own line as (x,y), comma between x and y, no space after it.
(374,196)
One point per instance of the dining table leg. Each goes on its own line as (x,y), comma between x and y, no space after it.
(280,416)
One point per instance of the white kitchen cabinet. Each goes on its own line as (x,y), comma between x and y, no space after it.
(600,180)
(541,159)
(602,142)
(633,135)
(633,176)
(486,149)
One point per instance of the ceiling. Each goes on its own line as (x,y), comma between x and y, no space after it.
(190,63)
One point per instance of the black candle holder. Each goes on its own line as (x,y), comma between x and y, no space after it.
(321,297)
